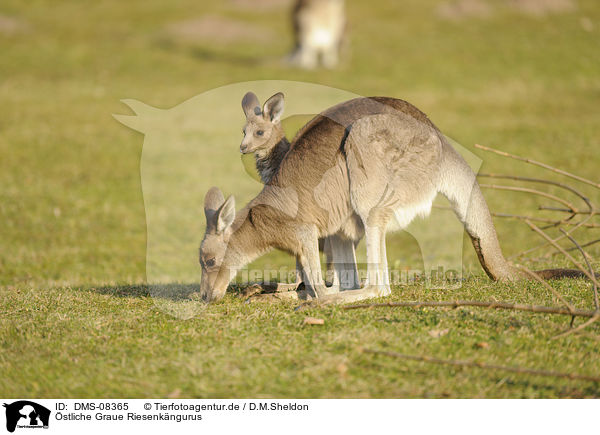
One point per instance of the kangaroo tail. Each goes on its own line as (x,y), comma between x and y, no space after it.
(459,185)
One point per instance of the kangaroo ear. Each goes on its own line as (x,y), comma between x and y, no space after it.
(273,108)
(212,202)
(251,105)
(226,215)
(213,199)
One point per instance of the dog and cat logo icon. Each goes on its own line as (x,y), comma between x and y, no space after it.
(25,414)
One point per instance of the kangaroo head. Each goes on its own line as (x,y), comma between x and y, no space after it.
(263,126)
(220,214)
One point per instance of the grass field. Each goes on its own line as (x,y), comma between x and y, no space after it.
(76,319)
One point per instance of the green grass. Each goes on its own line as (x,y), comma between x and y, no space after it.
(73,305)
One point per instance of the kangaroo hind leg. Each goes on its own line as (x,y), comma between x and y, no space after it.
(377,284)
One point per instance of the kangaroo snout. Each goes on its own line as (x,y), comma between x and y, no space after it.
(209,296)
(244,148)
(206,294)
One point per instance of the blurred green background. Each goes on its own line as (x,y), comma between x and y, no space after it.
(519,75)
(72,208)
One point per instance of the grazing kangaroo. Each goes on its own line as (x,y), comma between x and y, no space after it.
(264,136)
(364,164)
(319,27)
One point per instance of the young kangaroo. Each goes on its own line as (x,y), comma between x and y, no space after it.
(319,27)
(371,160)
(264,136)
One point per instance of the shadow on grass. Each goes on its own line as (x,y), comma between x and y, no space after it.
(498,379)
(207,54)
(576,390)
(180,300)
(171,291)
(210,55)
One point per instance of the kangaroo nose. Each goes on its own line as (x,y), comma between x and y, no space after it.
(243,148)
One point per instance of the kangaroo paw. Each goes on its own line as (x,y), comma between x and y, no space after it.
(345,297)
(291,295)
(273,297)
(285,287)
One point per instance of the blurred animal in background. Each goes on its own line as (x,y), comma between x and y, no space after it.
(319,27)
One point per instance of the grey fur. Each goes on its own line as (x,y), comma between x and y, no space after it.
(359,166)
(341,258)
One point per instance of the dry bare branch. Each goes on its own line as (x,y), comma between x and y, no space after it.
(579,328)
(535,276)
(553,223)
(542,181)
(566,210)
(585,245)
(542,165)
(545,220)
(576,226)
(591,212)
(586,272)
(574,210)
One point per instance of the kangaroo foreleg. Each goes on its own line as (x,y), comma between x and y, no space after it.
(310,263)
(287,287)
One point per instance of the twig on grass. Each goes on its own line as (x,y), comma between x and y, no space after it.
(536,277)
(586,272)
(481,365)
(579,328)
(587,262)
(492,304)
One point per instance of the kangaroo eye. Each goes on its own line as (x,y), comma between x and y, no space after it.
(210,262)
(260,133)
